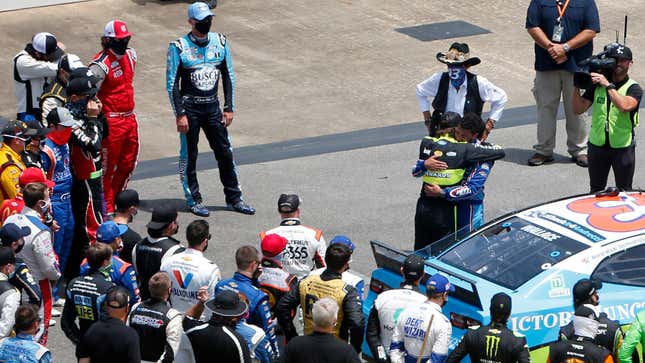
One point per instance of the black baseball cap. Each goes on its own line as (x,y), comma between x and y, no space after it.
(117,297)
(127,198)
(619,51)
(583,289)
(10,233)
(6,256)
(288,203)
(500,304)
(83,85)
(413,267)
(17,128)
(227,304)
(162,216)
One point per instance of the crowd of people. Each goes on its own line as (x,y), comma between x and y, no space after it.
(65,213)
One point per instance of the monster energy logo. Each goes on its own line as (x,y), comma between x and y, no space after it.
(492,345)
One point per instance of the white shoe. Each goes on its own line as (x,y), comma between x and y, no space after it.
(55,313)
(60,302)
(52,322)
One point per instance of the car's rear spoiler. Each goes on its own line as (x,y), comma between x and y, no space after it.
(390,258)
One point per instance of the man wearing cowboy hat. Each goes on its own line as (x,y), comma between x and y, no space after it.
(458,90)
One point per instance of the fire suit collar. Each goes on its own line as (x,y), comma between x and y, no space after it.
(30,212)
(269,262)
(434,306)
(239,277)
(3,277)
(330,275)
(408,286)
(290,222)
(192,251)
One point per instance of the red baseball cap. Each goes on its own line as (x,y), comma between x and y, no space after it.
(116,29)
(34,175)
(273,244)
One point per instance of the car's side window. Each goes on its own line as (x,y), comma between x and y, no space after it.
(625,267)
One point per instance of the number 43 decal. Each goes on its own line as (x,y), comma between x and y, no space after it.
(623,213)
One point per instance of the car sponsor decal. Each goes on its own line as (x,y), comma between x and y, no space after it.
(558,287)
(569,224)
(183,281)
(624,213)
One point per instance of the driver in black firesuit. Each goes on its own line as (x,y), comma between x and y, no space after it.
(493,343)
(581,348)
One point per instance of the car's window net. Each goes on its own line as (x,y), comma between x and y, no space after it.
(625,267)
(511,252)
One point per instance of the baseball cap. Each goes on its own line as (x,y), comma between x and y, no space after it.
(288,203)
(17,128)
(34,175)
(344,240)
(116,29)
(618,51)
(227,303)
(439,283)
(109,231)
(6,256)
(70,62)
(500,303)
(413,267)
(199,10)
(273,244)
(60,116)
(127,198)
(584,288)
(117,297)
(45,43)
(83,85)
(37,128)
(162,216)
(10,233)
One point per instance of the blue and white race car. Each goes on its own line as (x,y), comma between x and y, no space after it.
(536,255)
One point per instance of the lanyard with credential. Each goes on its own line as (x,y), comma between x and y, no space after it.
(561,9)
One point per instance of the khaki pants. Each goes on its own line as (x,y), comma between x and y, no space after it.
(547,89)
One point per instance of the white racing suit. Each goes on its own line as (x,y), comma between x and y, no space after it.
(411,329)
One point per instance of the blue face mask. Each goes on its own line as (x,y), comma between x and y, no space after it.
(457,75)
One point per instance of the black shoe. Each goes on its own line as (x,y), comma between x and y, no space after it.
(581,160)
(199,210)
(242,207)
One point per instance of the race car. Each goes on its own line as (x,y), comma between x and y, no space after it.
(535,255)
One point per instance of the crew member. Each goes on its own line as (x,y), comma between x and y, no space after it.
(148,254)
(245,283)
(9,294)
(38,252)
(328,284)
(85,294)
(350,277)
(33,68)
(189,270)
(14,137)
(114,67)
(493,342)
(610,335)
(388,304)
(157,323)
(23,346)
(121,273)
(274,280)
(435,216)
(306,248)
(55,95)
(635,335)
(614,116)
(196,62)
(458,90)
(422,331)
(127,206)
(582,347)
(13,236)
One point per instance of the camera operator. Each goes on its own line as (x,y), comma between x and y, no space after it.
(615,98)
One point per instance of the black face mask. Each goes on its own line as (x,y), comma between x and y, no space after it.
(204,26)
(118,46)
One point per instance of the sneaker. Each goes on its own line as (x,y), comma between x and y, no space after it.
(539,159)
(60,302)
(56,313)
(581,160)
(242,207)
(199,210)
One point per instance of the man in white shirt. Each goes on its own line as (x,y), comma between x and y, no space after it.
(458,90)
(33,68)
(190,270)
(306,248)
